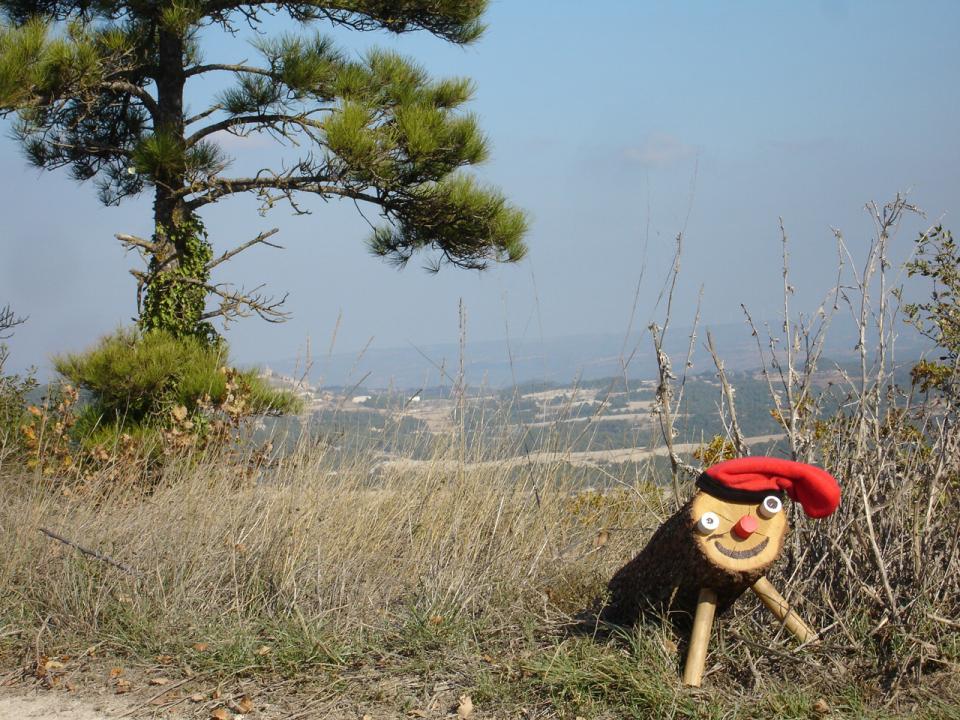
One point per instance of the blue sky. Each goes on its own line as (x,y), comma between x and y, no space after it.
(615,126)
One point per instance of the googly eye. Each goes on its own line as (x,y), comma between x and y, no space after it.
(770,506)
(708,523)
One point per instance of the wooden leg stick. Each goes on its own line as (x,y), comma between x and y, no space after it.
(778,605)
(699,638)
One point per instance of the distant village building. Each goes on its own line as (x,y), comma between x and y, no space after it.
(359,399)
(415,399)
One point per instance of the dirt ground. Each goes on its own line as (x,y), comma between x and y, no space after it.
(47,705)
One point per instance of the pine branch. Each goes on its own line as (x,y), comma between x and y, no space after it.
(97,151)
(206,113)
(138,92)
(261,120)
(249,69)
(456,21)
(286,185)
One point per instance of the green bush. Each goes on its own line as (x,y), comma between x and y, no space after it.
(937,258)
(15,391)
(139,382)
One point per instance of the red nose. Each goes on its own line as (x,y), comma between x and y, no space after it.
(745,527)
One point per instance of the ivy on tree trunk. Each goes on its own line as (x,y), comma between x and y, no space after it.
(176,293)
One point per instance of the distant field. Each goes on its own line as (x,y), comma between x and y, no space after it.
(604,421)
(589,458)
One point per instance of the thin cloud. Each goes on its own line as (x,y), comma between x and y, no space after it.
(808,146)
(660,150)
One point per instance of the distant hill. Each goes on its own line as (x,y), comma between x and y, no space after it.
(498,364)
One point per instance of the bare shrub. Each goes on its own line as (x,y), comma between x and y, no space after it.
(882,575)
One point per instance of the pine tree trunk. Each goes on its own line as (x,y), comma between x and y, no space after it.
(665,578)
(175,297)
(168,210)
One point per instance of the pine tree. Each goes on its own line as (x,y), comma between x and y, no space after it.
(97,86)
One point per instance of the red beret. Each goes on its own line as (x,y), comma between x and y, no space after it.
(751,478)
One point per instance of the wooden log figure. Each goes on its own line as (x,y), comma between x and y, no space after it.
(719,544)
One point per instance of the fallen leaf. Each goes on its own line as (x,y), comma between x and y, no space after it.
(488,659)
(164,659)
(159,681)
(122,686)
(197,698)
(201,646)
(69,686)
(263,650)
(243,705)
(601,539)
(220,714)
(164,699)
(216,694)
(52,665)
(821,707)
(437,619)
(465,708)
(115,672)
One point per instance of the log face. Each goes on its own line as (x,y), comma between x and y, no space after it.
(665,578)
(724,548)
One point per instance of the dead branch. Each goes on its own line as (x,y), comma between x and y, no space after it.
(261,238)
(665,406)
(216,107)
(8,321)
(242,303)
(91,553)
(736,434)
(138,242)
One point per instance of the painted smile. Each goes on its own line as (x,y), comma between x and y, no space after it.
(742,554)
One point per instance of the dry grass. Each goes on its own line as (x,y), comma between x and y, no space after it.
(324,566)
(400,589)
(472,581)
